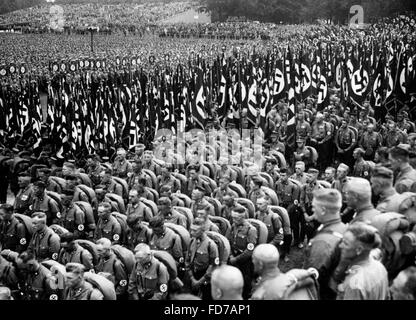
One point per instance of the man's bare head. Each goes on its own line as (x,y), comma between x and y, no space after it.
(227,283)
(265,256)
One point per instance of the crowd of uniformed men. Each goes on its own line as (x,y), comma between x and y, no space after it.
(136,227)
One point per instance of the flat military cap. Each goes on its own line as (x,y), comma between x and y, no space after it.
(331,197)
(300,164)
(313,171)
(40,184)
(343,166)
(24,174)
(359,150)
(401,150)
(382,172)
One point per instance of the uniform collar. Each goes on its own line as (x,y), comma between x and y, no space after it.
(329,223)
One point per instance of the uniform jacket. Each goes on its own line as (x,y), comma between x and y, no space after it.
(13,235)
(108,228)
(45,244)
(148,282)
(243,239)
(115,267)
(169,241)
(323,253)
(140,209)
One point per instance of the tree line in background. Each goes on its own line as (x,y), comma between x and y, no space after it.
(297,11)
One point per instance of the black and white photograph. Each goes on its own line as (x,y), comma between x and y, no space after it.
(207,150)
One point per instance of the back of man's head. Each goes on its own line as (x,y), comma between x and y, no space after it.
(227,283)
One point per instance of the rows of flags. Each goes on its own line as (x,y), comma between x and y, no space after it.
(96,115)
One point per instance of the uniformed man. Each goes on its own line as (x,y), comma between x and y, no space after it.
(309,225)
(76,288)
(24,197)
(199,202)
(167,179)
(138,207)
(138,231)
(412,150)
(361,167)
(303,128)
(288,194)
(330,175)
(72,252)
(107,226)
(9,275)
(109,263)
(44,175)
(382,157)
(255,189)
(227,207)
(227,283)
(406,176)
(137,174)
(271,220)
(111,186)
(322,133)
(243,239)
(94,169)
(166,191)
(138,151)
(370,142)
(322,252)
(271,167)
(224,170)
(13,235)
(302,153)
(38,282)
(345,142)
(201,259)
(71,182)
(393,136)
(265,261)
(121,166)
(149,164)
(170,215)
(209,225)
(45,243)
(196,181)
(223,189)
(165,239)
(68,168)
(44,203)
(357,193)
(389,200)
(73,217)
(149,279)
(342,172)
(299,174)
(402,123)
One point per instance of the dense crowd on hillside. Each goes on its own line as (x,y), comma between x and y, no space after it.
(105,196)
